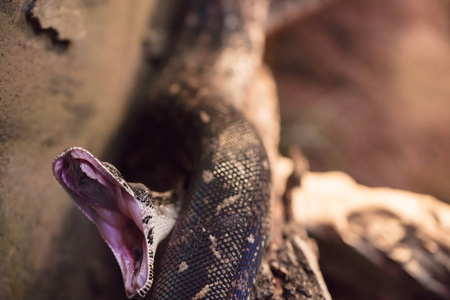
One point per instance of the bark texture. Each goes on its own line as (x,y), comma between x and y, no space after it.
(66,68)
(376,243)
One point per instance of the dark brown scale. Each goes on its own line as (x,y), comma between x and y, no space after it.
(146,219)
(150,236)
(231,228)
(221,247)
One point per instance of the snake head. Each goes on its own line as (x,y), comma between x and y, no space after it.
(128,218)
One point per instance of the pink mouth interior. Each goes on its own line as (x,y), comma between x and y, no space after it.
(111,208)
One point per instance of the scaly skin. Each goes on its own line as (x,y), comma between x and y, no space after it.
(221,224)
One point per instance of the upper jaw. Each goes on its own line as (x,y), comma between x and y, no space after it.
(109,203)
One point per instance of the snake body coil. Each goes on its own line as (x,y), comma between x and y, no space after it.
(220,227)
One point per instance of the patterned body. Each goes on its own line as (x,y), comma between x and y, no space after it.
(217,244)
(220,233)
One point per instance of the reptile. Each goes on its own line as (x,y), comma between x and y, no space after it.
(216,224)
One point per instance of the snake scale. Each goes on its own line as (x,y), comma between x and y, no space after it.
(218,227)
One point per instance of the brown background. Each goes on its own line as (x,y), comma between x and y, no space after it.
(364,87)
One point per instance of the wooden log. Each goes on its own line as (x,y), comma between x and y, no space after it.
(376,243)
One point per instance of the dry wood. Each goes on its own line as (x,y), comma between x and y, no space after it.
(376,243)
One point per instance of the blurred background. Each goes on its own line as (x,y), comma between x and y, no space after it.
(364,87)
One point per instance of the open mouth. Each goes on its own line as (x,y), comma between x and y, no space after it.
(110,204)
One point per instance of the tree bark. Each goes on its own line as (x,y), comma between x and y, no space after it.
(66,71)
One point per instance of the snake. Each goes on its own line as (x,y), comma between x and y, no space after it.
(217,224)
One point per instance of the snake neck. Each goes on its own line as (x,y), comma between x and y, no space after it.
(219,45)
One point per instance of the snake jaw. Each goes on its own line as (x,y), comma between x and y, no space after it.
(112,205)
